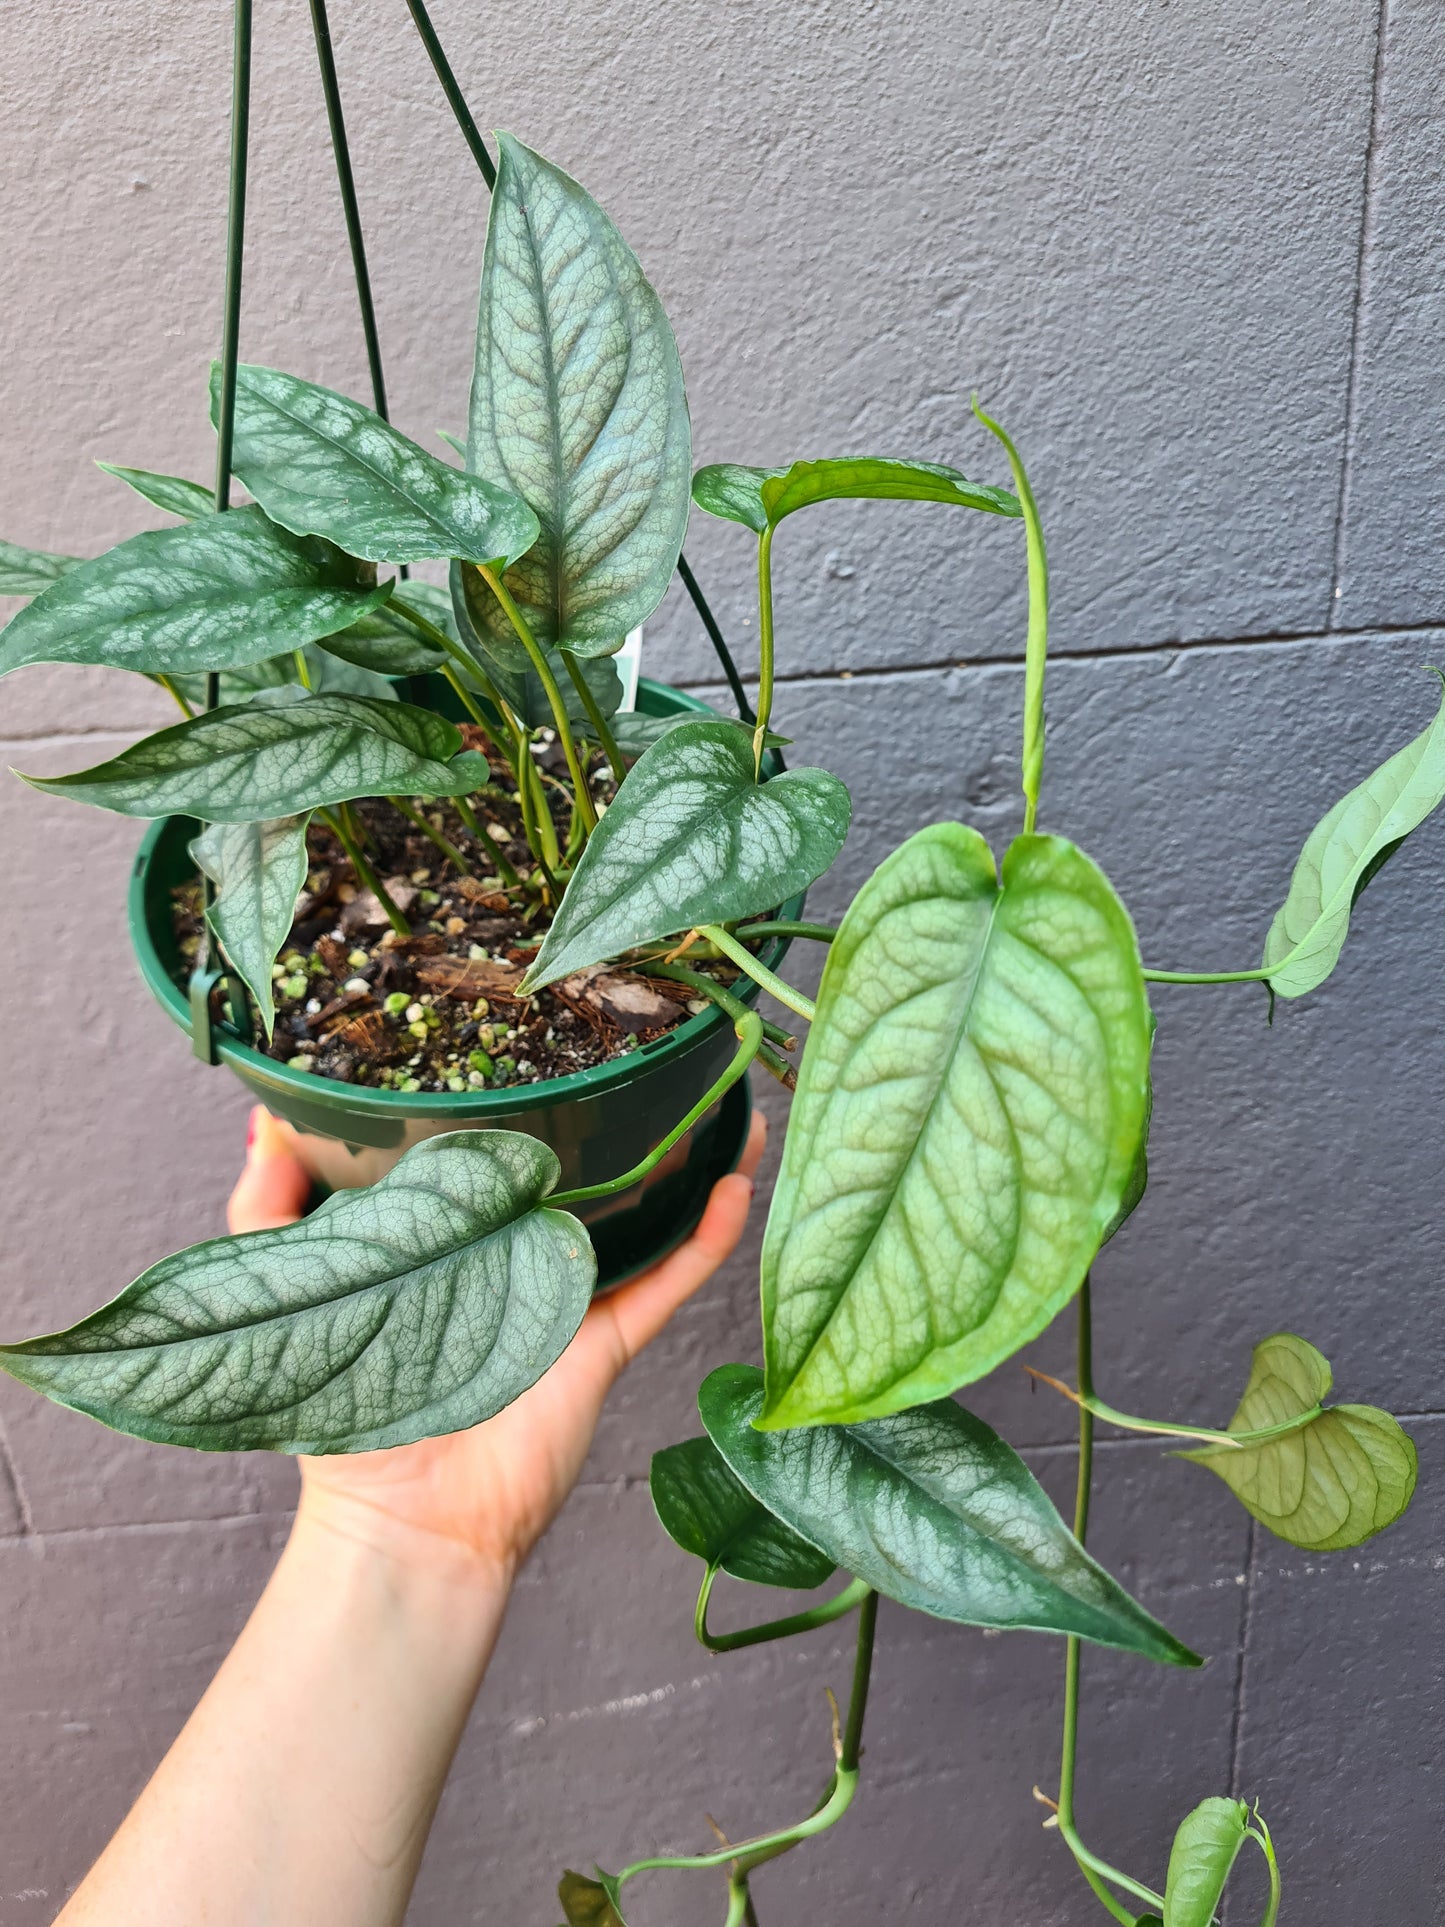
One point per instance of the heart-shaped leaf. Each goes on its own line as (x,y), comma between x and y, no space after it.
(216,593)
(1338,1479)
(419,1306)
(241,764)
(757,497)
(1343,852)
(1204,1851)
(173,493)
(322,464)
(587,1903)
(578,405)
(259,870)
(932,1509)
(387,644)
(707,1510)
(31,571)
(691,837)
(967,1119)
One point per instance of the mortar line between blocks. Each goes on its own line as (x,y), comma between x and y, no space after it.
(1368,198)
(1246,1615)
(40,1534)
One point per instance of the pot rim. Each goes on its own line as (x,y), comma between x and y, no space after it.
(656,698)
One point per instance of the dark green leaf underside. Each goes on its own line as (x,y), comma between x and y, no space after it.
(707,1510)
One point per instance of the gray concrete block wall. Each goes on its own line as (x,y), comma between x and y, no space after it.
(1190,256)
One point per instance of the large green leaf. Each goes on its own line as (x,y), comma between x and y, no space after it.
(578,404)
(757,497)
(211,594)
(1337,1480)
(966,1124)
(931,1508)
(241,764)
(1343,852)
(259,870)
(31,571)
(707,1510)
(321,464)
(173,493)
(1205,1849)
(387,644)
(692,838)
(419,1306)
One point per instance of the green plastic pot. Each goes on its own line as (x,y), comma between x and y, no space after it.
(600,1122)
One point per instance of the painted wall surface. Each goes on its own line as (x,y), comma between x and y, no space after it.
(1192,255)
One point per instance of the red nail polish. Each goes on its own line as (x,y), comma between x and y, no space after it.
(250,1130)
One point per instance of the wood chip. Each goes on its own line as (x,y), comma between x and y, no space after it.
(369,1036)
(364,912)
(348,1000)
(470,977)
(334,955)
(476,892)
(429,944)
(632,1003)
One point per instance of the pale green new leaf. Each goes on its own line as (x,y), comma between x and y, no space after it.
(259,870)
(707,1510)
(757,497)
(322,464)
(419,1306)
(173,493)
(31,571)
(967,1119)
(241,764)
(216,593)
(1343,852)
(578,404)
(934,1510)
(387,644)
(587,1903)
(692,838)
(1204,1851)
(1334,1482)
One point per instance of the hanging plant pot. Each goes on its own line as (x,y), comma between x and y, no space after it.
(600,1122)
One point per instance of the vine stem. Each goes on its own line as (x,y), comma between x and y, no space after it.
(706,986)
(1037,649)
(503,865)
(760,974)
(594,715)
(448,849)
(1094,1870)
(750,1035)
(172,691)
(803,1622)
(765,647)
(1234,1441)
(1206,976)
(549,683)
(785,927)
(365,875)
(1260,1832)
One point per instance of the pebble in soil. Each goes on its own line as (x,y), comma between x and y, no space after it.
(437,1010)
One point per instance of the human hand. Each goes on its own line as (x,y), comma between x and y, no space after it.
(488,1494)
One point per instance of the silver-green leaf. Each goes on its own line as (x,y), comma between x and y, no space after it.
(216,593)
(968,1115)
(934,1510)
(1342,1475)
(387,644)
(1343,852)
(259,870)
(708,1511)
(761,497)
(419,1306)
(31,571)
(322,464)
(691,837)
(577,404)
(173,493)
(241,764)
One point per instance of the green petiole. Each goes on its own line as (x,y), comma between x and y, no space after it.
(803,1622)
(760,974)
(1231,1441)
(549,684)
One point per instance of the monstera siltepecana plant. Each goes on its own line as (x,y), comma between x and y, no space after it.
(972,1105)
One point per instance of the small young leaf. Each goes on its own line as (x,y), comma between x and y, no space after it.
(935,1511)
(1334,1482)
(259,870)
(173,493)
(587,1903)
(241,764)
(31,571)
(387,644)
(322,464)
(692,837)
(1345,849)
(216,593)
(1205,1849)
(578,404)
(759,496)
(967,1119)
(708,1511)
(419,1306)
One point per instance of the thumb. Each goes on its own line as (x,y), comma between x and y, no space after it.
(273,1188)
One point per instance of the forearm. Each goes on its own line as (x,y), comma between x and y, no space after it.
(302,1788)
